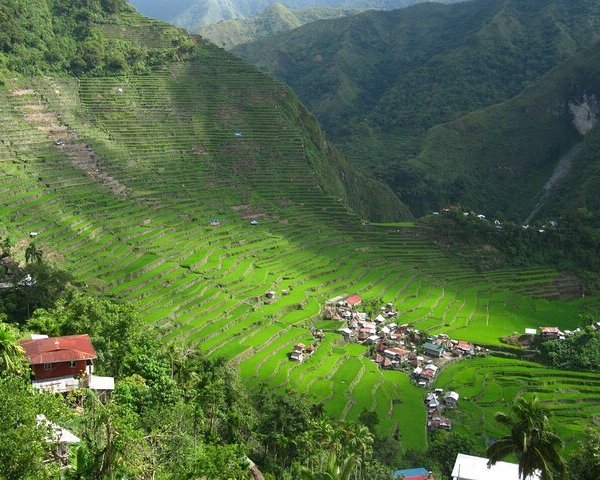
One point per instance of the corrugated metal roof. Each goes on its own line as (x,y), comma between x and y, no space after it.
(59,349)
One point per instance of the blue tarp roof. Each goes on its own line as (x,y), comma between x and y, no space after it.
(411,472)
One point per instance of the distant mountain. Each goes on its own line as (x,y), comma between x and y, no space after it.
(534,155)
(190,14)
(273,19)
(380,81)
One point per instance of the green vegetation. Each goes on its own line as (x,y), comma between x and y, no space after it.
(174,413)
(585,464)
(273,19)
(53,36)
(386,84)
(121,175)
(531,438)
(491,384)
(571,243)
(576,352)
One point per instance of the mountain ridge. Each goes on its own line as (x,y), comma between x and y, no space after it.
(380,81)
(191,14)
(273,19)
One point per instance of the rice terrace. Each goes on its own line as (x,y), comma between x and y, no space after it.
(196,189)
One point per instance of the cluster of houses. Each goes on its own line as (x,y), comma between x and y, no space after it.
(301,352)
(360,327)
(497,223)
(395,346)
(553,333)
(437,401)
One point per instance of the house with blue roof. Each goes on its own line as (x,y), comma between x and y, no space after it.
(413,474)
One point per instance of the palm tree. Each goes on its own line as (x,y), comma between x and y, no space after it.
(531,438)
(333,468)
(33,254)
(11,353)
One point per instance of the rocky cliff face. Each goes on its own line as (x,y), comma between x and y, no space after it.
(585,112)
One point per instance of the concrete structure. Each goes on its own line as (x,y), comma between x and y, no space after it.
(468,467)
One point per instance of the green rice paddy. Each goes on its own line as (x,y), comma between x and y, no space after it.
(489,385)
(169,138)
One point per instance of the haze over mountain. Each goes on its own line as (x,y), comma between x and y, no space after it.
(273,19)
(380,81)
(191,14)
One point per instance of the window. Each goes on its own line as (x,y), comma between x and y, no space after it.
(47,366)
(72,364)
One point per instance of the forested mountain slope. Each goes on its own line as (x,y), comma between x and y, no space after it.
(379,81)
(534,155)
(95,45)
(273,19)
(191,14)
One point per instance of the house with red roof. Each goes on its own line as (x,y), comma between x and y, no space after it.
(466,347)
(60,356)
(550,333)
(62,364)
(397,354)
(353,300)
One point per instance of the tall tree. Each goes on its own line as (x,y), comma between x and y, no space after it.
(530,438)
(33,254)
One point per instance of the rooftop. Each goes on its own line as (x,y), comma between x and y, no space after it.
(549,330)
(412,474)
(353,300)
(433,346)
(468,467)
(59,349)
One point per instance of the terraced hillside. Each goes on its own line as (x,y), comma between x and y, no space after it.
(489,385)
(122,175)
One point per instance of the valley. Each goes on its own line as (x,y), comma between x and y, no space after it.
(174,177)
(170,143)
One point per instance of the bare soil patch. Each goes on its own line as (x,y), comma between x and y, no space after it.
(65,140)
(19,92)
(248,212)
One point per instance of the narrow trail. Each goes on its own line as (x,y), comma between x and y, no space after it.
(562,168)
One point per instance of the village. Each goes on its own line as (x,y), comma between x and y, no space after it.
(399,346)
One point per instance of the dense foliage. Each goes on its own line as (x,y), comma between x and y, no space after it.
(52,36)
(28,287)
(441,453)
(572,245)
(174,413)
(585,463)
(576,352)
